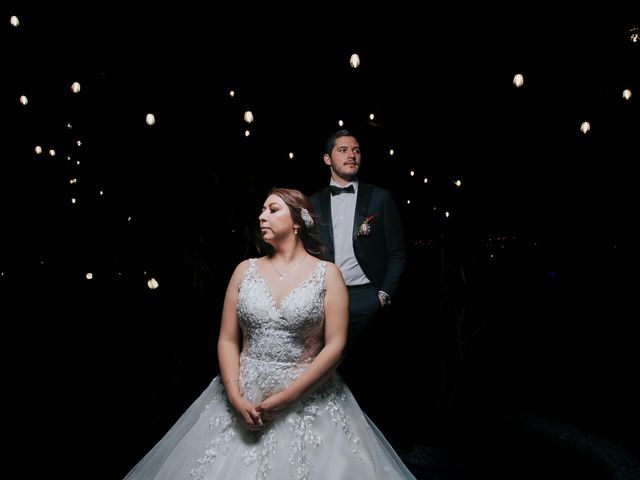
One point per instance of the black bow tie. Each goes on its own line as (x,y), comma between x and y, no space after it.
(338,190)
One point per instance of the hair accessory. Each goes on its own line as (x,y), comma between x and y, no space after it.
(306,216)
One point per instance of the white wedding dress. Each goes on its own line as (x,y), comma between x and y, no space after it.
(326,436)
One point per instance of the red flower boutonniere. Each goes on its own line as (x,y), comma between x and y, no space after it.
(365,228)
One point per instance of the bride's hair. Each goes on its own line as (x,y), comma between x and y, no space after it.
(297,201)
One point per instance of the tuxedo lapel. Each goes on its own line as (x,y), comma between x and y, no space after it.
(362,206)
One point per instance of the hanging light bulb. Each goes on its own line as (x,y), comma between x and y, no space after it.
(75,87)
(518,80)
(585,127)
(151,119)
(248,116)
(354,61)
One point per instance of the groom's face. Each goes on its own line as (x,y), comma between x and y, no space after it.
(345,159)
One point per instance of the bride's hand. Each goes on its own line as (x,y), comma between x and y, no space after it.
(251,418)
(271,406)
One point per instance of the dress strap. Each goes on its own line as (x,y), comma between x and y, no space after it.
(249,272)
(319,273)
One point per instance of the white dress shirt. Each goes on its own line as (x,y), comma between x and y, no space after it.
(343,209)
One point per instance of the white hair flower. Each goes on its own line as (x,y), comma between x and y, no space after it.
(306,216)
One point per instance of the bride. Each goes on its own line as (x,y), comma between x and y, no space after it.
(278,410)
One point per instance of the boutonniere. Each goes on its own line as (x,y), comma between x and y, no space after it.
(365,228)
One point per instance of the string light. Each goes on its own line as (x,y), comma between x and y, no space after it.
(585,127)
(354,61)
(518,80)
(151,119)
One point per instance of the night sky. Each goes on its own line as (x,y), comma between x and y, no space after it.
(518,300)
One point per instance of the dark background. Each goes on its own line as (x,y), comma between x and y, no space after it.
(519,302)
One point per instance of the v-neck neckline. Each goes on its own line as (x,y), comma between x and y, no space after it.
(278,304)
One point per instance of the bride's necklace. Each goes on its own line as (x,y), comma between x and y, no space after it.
(282,275)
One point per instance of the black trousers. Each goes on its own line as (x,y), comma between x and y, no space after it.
(363,307)
(357,368)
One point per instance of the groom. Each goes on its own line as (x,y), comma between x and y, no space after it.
(360,227)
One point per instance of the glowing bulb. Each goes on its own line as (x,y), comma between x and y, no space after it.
(248,116)
(247,133)
(291,155)
(52,152)
(425,180)
(152,283)
(75,87)
(340,123)
(354,61)
(232,93)
(626,94)
(457,183)
(23,99)
(391,152)
(38,149)
(412,173)
(371,116)
(151,119)
(14,21)
(585,127)
(89,275)
(518,80)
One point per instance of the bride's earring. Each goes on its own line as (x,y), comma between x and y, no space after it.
(295,230)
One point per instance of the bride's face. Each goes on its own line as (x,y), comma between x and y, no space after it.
(275,219)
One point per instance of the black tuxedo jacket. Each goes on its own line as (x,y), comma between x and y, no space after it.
(381,254)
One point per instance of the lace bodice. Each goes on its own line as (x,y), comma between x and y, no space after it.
(291,332)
